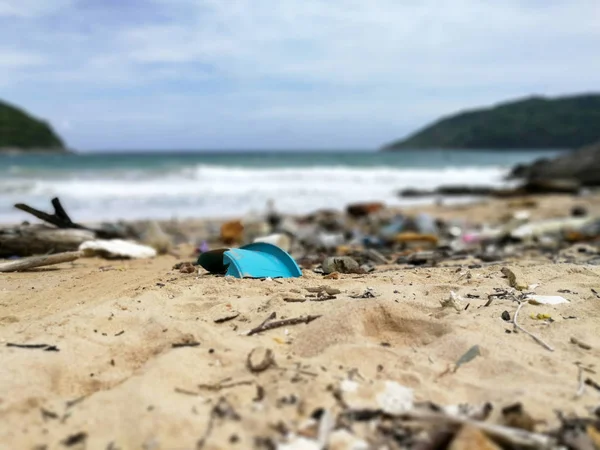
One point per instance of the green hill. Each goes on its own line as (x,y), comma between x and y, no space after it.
(20,131)
(536,122)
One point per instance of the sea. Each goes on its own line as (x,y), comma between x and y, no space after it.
(179,185)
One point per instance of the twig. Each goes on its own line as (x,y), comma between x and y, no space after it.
(39,261)
(514,436)
(282,323)
(185,344)
(186,392)
(520,328)
(581,388)
(223,385)
(45,347)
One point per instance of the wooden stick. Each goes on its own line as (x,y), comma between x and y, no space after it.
(581,388)
(39,261)
(514,436)
(269,325)
(520,328)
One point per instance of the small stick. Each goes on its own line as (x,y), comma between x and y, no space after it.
(294,300)
(581,388)
(520,328)
(281,323)
(39,261)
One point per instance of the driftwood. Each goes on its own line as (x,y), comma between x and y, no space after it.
(27,240)
(38,261)
(63,236)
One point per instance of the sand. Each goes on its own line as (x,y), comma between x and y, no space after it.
(118,379)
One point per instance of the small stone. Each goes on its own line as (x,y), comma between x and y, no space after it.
(506,316)
(260,359)
(515,416)
(470,438)
(341,264)
(332,276)
(515,279)
(187,268)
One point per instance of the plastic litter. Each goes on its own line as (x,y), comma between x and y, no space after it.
(257,260)
(117,248)
(546,299)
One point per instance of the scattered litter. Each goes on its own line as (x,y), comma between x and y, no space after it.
(541,316)
(117,248)
(259,359)
(546,299)
(452,301)
(469,356)
(258,260)
(368,293)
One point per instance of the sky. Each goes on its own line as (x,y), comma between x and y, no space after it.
(283,74)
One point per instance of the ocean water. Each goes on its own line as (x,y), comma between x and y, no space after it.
(165,185)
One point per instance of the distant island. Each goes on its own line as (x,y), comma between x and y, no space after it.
(531,123)
(21,132)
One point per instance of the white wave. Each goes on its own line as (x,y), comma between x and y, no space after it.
(218,191)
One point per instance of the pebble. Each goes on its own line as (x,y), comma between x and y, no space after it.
(260,359)
(341,264)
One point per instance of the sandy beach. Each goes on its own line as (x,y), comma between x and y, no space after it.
(143,353)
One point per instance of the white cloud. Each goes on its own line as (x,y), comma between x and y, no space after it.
(390,63)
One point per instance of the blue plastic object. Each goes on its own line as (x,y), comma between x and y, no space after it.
(260,260)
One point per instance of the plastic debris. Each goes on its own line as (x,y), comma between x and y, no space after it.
(546,299)
(117,248)
(258,260)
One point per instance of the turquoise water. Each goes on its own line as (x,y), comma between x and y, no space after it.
(141,185)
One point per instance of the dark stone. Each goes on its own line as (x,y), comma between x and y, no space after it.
(506,316)
(581,166)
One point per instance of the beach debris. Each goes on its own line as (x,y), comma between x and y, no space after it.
(332,276)
(546,299)
(475,412)
(580,344)
(257,260)
(471,438)
(376,256)
(116,249)
(232,232)
(270,323)
(155,237)
(45,347)
(520,328)
(541,316)
(223,312)
(515,416)
(259,359)
(23,264)
(281,240)
(369,292)
(186,267)
(294,299)
(468,356)
(358,210)
(514,279)
(386,396)
(74,439)
(506,316)
(324,289)
(341,264)
(344,440)
(452,301)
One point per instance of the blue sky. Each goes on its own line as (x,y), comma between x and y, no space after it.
(277,74)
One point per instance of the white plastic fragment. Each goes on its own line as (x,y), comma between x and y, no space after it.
(117,248)
(300,443)
(395,399)
(546,299)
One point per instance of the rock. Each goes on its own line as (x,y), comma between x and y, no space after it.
(506,316)
(579,211)
(552,186)
(332,276)
(582,165)
(514,280)
(357,210)
(341,264)
(515,416)
(470,438)
(188,267)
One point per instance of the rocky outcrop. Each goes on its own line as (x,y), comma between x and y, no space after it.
(581,167)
